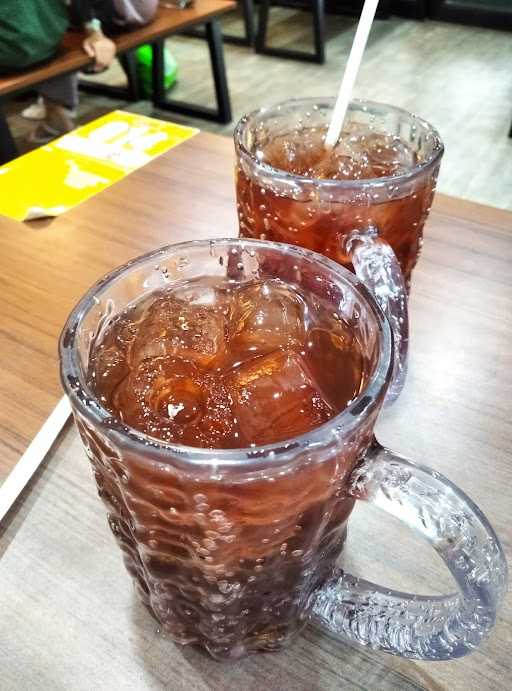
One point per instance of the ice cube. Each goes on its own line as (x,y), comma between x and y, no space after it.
(173,327)
(160,391)
(266,316)
(288,153)
(206,291)
(109,366)
(126,331)
(296,222)
(174,400)
(389,155)
(345,161)
(336,363)
(276,398)
(296,151)
(219,427)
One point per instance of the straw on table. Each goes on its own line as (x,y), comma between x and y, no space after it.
(33,456)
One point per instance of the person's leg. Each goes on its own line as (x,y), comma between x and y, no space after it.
(60,97)
(35,111)
(61,90)
(8,149)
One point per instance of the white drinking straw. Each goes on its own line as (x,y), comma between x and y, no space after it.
(351,70)
(33,456)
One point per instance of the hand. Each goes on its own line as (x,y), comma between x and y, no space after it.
(101,48)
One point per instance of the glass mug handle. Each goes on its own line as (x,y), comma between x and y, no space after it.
(413,626)
(376,265)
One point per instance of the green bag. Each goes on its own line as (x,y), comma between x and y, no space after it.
(30,31)
(145,69)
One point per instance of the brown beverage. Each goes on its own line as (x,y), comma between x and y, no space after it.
(234,549)
(217,364)
(371,178)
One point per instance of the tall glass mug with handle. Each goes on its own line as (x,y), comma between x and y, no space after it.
(364,204)
(235,549)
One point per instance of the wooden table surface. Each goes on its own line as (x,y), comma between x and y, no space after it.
(69,618)
(46,266)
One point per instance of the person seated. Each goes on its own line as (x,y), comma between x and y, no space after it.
(58,97)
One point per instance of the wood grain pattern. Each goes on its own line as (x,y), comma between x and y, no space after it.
(71,56)
(69,616)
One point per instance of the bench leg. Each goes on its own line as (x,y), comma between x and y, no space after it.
(318,56)
(132,92)
(220,114)
(129,64)
(249,29)
(8,149)
(319,30)
(383,10)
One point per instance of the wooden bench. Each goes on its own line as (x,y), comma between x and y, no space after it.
(249,33)
(168,21)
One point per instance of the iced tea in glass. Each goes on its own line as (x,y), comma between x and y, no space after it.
(379,180)
(226,393)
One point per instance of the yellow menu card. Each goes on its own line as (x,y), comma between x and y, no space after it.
(58,176)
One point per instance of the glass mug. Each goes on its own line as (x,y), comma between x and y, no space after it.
(235,550)
(373,226)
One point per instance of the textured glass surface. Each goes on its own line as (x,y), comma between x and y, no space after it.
(425,628)
(319,212)
(226,547)
(235,550)
(386,214)
(228,562)
(376,265)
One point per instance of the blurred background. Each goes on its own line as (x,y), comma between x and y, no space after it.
(449,61)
